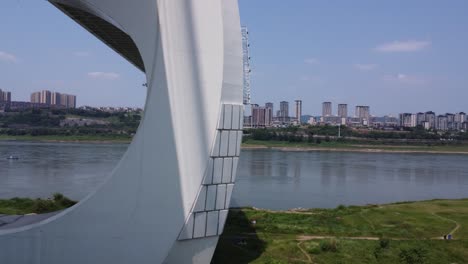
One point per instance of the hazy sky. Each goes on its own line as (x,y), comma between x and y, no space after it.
(396,56)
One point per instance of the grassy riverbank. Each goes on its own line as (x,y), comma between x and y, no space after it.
(395,233)
(410,232)
(259,144)
(75,138)
(20,206)
(347,146)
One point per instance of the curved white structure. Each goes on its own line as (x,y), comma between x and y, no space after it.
(167,200)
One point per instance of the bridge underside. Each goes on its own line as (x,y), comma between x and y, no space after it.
(107,32)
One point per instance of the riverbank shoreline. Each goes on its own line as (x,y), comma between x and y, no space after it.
(83,141)
(408,149)
(360,150)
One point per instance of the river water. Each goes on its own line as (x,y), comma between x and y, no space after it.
(266,178)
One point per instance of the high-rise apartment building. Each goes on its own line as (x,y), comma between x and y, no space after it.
(284,111)
(406,120)
(63,99)
(261,116)
(5,96)
(363,113)
(67,100)
(462,117)
(268,116)
(450,117)
(343,110)
(56,98)
(459,119)
(36,97)
(326,109)
(420,118)
(46,97)
(450,121)
(414,120)
(430,118)
(298,110)
(442,123)
(270,105)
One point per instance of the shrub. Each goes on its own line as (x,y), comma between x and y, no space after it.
(312,247)
(340,207)
(384,243)
(274,261)
(414,255)
(58,196)
(44,206)
(63,201)
(329,245)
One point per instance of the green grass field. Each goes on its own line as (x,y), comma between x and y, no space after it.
(20,206)
(410,232)
(395,233)
(357,146)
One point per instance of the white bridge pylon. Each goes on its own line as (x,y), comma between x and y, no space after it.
(168,198)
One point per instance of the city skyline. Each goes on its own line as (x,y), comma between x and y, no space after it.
(53,98)
(360,111)
(410,65)
(263,117)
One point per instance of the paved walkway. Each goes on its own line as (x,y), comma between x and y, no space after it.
(15,221)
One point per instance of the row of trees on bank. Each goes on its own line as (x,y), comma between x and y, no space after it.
(296,134)
(44,122)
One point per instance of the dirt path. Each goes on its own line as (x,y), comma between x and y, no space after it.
(361,214)
(306,238)
(291,211)
(299,245)
(452,232)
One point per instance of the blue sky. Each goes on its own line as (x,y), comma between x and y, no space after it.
(396,56)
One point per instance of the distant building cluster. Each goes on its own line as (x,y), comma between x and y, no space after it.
(5,100)
(262,116)
(265,116)
(362,116)
(49,98)
(429,120)
(5,97)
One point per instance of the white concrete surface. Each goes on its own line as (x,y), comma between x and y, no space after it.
(191,53)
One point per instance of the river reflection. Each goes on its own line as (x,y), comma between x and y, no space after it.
(281,180)
(266,178)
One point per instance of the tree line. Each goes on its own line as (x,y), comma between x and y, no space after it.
(41,122)
(318,133)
